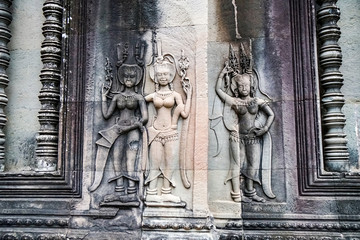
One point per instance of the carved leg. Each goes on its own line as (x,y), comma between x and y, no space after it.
(152,196)
(235,156)
(169,162)
(131,195)
(236,196)
(118,147)
(120,188)
(249,185)
(119,191)
(153,184)
(170,156)
(156,156)
(251,171)
(250,191)
(252,162)
(168,197)
(131,155)
(132,149)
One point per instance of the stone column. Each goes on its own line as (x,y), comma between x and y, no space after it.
(5,35)
(50,76)
(336,155)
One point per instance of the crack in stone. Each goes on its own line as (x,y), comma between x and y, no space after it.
(238,36)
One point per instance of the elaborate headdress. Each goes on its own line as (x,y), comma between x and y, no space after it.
(127,61)
(166,61)
(241,70)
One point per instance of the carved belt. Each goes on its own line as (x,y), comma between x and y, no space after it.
(125,122)
(245,139)
(164,137)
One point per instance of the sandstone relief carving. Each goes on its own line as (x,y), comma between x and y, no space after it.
(6,17)
(247,119)
(122,98)
(50,77)
(163,129)
(336,152)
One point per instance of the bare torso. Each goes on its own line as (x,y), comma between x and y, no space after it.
(246,111)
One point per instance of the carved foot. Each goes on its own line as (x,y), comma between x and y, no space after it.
(236,196)
(245,199)
(239,197)
(256,198)
(170,198)
(153,198)
(128,198)
(111,198)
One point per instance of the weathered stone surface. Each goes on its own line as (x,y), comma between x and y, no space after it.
(70,203)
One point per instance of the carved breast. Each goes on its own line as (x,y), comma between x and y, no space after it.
(167,102)
(239,109)
(253,107)
(243,107)
(129,102)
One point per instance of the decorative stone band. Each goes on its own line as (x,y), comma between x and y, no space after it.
(33,222)
(277,236)
(295,226)
(5,35)
(30,235)
(336,153)
(177,225)
(50,76)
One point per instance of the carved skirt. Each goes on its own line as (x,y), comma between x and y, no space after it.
(107,140)
(161,165)
(247,161)
(110,135)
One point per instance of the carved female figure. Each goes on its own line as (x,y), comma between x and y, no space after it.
(124,136)
(246,134)
(163,133)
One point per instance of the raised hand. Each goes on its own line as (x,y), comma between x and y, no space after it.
(105,91)
(187,87)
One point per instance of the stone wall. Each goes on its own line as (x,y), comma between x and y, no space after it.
(179,120)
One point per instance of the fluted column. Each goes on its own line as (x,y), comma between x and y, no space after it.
(50,76)
(336,155)
(5,20)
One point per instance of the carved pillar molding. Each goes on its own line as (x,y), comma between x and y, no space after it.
(47,140)
(5,20)
(336,154)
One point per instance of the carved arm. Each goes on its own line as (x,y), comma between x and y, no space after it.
(107,111)
(270,118)
(188,91)
(266,108)
(144,112)
(223,96)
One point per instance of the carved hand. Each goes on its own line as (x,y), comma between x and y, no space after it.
(187,87)
(261,131)
(227,68)
(124,129)
(104,91)
(139,125)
